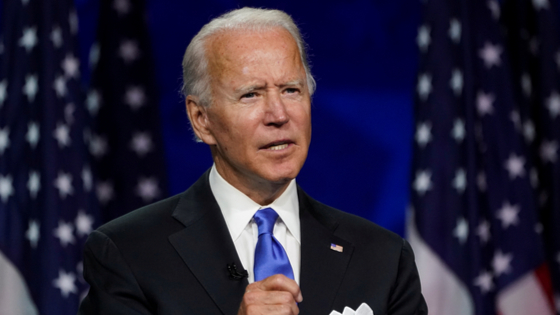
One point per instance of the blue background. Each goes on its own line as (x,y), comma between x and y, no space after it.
(364,58)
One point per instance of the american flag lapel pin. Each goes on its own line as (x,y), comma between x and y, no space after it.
(336,247)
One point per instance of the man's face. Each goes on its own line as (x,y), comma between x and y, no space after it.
(259,122)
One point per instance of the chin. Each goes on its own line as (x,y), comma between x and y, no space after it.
(282,175)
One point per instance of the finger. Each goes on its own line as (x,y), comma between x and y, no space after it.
(280,283)
(285,308)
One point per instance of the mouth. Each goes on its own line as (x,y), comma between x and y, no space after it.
(277,145)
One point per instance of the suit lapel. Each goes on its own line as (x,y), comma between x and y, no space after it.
(206,247)
(322,269)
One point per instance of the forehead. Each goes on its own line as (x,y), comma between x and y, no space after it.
(236,50)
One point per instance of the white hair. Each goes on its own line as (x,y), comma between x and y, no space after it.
(196,79)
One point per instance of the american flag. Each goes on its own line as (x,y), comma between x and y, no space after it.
(47,205)
(485,184)
(126,141)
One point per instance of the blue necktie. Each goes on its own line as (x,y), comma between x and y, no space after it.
(270,256)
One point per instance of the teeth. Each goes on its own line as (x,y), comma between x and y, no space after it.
(278,147)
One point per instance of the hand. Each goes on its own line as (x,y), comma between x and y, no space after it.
(274,295)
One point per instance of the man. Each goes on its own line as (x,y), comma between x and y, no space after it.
(248,94)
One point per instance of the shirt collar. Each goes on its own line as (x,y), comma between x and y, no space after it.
(238,209)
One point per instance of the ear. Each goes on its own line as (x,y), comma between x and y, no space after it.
(198,116)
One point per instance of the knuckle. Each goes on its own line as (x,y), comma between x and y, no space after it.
(250,297)
(284,309)
(285,297)
(278,279)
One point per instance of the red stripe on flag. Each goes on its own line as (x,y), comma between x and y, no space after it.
(543,274)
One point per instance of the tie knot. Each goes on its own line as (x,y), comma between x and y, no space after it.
(265,219)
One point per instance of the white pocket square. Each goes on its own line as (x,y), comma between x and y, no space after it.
(364,309)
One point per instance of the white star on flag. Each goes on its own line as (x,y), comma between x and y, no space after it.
(461,230)
(456,82)
(65,282)
(423,38)
(71,66)
(93,101)
(94,55)
(455,30)
(73,21)
(526,84)
(83,223)
(516,119)
(534,177)
(33,233)
(549,151)
(458,132)
(514,166)
(3,91)
(69,110)
(32,135)
(121,6)
(539,228)
(494,7)
(508,214)
(4,139)
(141,143)
(534,45)
(483,231)
(64,184)
(460,181)
(543,198)
(59,86)
(34,183)
(423,134)
(147,189)
(422,182)
(424,87)
(31,87)
(490,54)
(553,104)
(540,4)
(135,97)
(87,178)
(6,187)
(481,181)
(104,191)
(484,103)
(56,37)
(29,38)
(501,263)
(484,282)
(529,131)
(129,51)
(65,233)
(62,135)
(98,146)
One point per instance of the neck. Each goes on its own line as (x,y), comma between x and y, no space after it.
(259,190)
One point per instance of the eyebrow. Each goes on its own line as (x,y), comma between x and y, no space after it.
(249,88)
(292,83)
(254,87)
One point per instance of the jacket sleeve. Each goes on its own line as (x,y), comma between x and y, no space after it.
(406,296)
(113,286)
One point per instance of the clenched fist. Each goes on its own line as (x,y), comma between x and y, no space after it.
(274,295)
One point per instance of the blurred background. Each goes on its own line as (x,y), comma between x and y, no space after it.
(363,56)
(415,100)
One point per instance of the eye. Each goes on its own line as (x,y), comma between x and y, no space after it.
(291,90)
(249,95)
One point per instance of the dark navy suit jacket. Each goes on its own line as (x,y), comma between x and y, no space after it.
(171,257)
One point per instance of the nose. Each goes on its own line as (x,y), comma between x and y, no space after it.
(276,113)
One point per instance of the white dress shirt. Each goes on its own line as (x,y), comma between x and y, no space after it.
(238,211)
